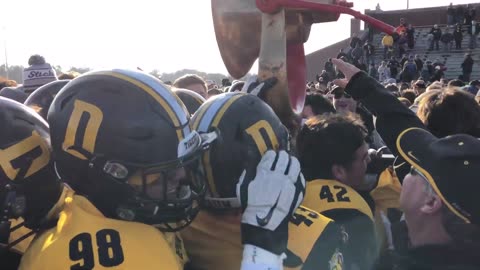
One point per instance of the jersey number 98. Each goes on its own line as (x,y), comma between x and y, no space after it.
(109,250)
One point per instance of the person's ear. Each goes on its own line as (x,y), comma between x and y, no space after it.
(432,204)
(339,173)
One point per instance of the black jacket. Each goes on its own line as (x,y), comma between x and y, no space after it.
(437,33)
(458,34)
(446,38)
(441,257)
(467,65)
(392,116)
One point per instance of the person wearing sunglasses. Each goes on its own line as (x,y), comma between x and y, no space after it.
(439,200)
(342,101)
(443,224)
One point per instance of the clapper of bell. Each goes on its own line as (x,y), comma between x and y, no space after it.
(273,31)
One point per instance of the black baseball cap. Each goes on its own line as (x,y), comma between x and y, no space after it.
(450,164)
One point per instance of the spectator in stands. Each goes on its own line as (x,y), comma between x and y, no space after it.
(410,36)
(211,84)
(355,41)
(315,104)
(387,42)
(226,82)
(469,15)
(467,67)
(372,71)
(460,14)
(330,69)
(439,63)
(68,76)
(436,85)
(409,95)
(437,34)
(324,77)
(403,86)
(427,71)
(456,83)
(419,63)
(419,87)
(402,27)
(37,74)
(383,72)
(361,65)
(393,64)
(473,31)
(403,60)
(473,87)
(401,43)
(342,54)
(369,51)
(357,54)
(458,36)
(192,82)
(409,71)
(438,74)
(393,88)
(8,83)
(450,111)
(450,15)
(405,101)
(447,40)
(213,92)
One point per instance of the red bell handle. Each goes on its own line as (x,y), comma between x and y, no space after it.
(343,7)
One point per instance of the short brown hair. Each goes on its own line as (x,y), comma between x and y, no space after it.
(189,79)
(450,112)
(329,139)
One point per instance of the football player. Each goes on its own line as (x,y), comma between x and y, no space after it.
(122,141)
(334,156)
(190,99)
(114,137)
(29,189)
(247,128)
(41,99)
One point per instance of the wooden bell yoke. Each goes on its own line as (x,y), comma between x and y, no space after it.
(274,32)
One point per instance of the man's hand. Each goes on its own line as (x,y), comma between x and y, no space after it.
(269,200)
(347,69)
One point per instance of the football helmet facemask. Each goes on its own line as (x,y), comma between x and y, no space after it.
(116,135)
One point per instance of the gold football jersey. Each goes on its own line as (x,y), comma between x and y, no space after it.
(326,195)
(85,239)
(214,242)
(22,246)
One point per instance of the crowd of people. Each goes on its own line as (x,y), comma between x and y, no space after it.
(399,64)
(115,169)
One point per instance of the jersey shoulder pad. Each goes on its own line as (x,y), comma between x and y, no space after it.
(313,240)
(86,239)
(325,195)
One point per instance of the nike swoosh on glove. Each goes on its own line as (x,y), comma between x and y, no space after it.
(269,200)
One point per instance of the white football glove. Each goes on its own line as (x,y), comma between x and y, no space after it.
(269,200)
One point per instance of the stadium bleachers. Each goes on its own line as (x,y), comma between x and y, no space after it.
(452,59)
